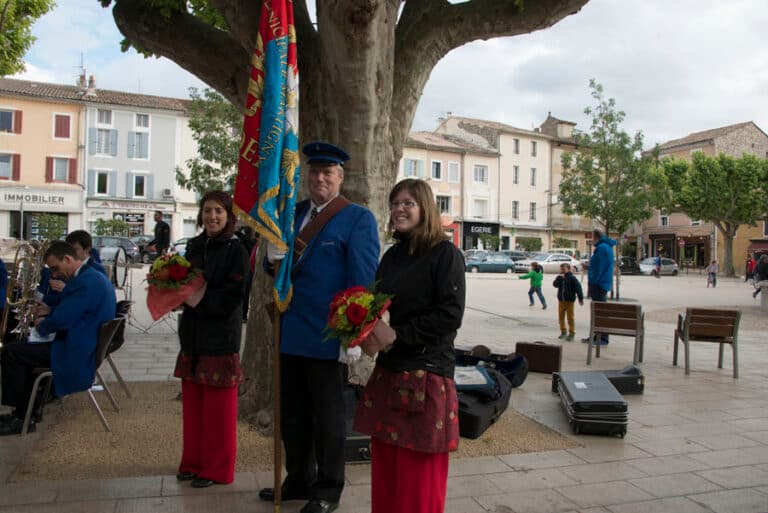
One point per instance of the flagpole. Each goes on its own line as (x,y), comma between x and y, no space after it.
(276,418)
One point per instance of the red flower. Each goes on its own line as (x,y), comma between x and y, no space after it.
(356,290)
(177,272)
(338,300)
(356,314)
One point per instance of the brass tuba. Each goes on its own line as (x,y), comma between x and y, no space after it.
(23,279)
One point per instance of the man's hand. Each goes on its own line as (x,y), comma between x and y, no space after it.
(41,310)
(57,285)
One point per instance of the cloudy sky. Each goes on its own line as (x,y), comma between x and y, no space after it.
(674,66)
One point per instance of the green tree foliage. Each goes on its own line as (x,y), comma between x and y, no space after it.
(114,227)
(16,19)
(607,179)
(723,190)
(490,242)
(51,226)
(216,126)
(561,242)
(529,243)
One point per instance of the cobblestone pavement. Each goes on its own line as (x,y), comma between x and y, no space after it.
(695,444)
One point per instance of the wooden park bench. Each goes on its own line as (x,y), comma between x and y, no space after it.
(708,325)
(610,318)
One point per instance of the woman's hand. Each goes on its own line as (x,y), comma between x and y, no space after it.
(380,339)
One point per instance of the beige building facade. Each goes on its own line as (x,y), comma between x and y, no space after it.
(464,178)
(693,242)
(40,154)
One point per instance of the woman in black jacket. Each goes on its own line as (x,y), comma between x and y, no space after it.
(209,361)
(409,406)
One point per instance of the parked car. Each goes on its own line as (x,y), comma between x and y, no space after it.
(132,252)
(494,263)
(476,254)
(549,262)
(147,256)
(514,255)
(628,265)
(668,266)
(564,251)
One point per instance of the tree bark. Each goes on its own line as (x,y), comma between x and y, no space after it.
(362,72)
(728,231)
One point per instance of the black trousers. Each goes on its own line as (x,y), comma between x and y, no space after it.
(18,360)
(312,409)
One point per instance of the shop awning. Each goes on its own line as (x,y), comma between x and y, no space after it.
(759,246)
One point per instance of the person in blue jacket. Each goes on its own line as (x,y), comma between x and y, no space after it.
(81,241)
(600,272)
(85,304)
(344,253)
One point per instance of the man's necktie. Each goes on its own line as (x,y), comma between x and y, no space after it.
(313,214)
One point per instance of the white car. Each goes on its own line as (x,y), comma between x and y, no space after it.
(668,266)
(549,262)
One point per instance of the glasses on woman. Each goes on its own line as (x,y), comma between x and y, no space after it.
(407,204)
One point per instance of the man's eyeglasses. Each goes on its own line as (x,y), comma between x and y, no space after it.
(407,204)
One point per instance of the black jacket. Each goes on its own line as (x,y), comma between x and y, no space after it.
(427,307)
(761,271)
(568,288)
(213,327)
(162,236)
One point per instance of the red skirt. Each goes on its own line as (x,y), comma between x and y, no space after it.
(416,410)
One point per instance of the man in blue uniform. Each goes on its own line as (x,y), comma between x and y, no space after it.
(82,243)
(87,301)
(342,254)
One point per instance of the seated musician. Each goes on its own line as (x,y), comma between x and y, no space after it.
(84,305)
(83,244)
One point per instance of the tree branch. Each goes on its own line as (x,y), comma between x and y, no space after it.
(428,30)
(242,19)
(214,56)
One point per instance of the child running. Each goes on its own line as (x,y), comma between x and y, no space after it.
(712,270)
(568,289)
(536,275)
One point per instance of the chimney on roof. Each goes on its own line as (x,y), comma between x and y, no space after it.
(81,81)
(449,113)
(91,86)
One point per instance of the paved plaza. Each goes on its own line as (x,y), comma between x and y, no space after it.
(695,443)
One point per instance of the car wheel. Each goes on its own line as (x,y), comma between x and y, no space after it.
(145,258)
(510,270)
(674,273)
(474,270)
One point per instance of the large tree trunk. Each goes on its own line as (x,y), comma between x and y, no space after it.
(362,71)
(728,231)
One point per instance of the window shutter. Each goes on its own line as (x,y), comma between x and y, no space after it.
(420,168)
(131,144)
(129,185)
(91,182)
(48,169)
(113,142)
(149,189)
(93,139)
(112,183)
(72,170)
(17,115)
(16,167)
(145,147)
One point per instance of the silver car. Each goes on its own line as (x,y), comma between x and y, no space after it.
(668,266)
(549,262)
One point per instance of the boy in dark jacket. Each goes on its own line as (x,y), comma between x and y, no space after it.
(568,289)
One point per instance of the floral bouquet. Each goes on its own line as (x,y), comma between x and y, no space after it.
(353,314)
(172,282)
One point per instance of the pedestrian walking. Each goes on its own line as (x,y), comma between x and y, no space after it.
(536,275)
(712,270)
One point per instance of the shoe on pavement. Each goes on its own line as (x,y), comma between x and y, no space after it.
(268,494)
(319,506)
(14,425)
(186,476)
(200,482)
(562,336)
(543,307)
(569,338)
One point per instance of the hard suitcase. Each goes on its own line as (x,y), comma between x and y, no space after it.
(357,446)
(514,367)
(627,381)
(591,403)
(542,357)
(478,410)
